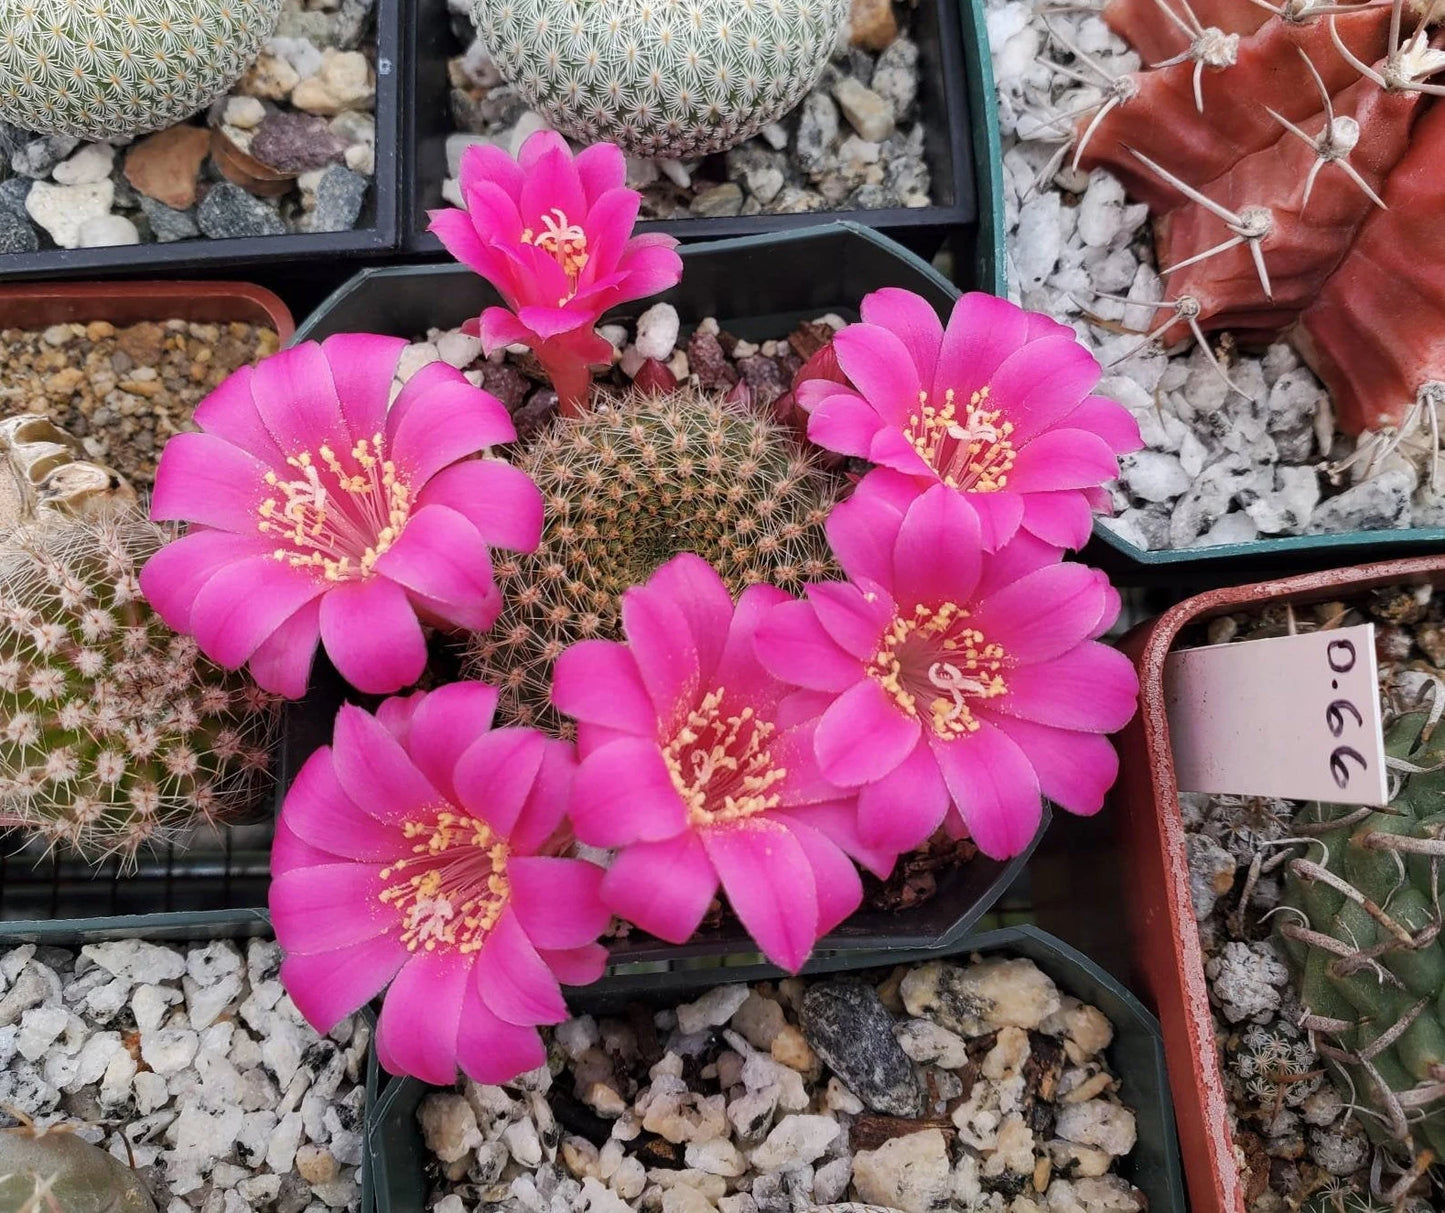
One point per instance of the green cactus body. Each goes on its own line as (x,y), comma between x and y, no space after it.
(627,487)
(114,731)
(1362,935)
(665,78)
(103,69)
(46,1172)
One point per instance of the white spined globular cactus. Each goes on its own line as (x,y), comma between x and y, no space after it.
(115,732)
(106,69)
(671,79)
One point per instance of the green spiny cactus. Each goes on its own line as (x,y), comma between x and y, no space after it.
(1275,1065)
(1362,936)
(669,78)
(102,69)
(627,487)
(114,731)
(54,1171)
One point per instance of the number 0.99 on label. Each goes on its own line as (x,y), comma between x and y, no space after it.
(1289,716)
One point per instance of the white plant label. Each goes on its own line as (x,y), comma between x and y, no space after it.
(1296,717)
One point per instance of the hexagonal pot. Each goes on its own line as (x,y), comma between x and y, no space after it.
(1165,936)
(757,287)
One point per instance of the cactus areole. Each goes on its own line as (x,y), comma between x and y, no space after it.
(107,69)
(1360,927)
(661,77)
(1293,163)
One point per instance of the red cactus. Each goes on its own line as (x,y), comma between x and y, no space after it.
(1292,163)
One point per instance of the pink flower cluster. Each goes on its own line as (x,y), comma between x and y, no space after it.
(762,747)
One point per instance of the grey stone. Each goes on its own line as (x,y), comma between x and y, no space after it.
(229,212)
(295,142)
(39,157)
(848,1026)
(340,195)
(895,77)
(16,235)
(721,200)
(817,132)
(168,225)
(1379,504)
(12,195)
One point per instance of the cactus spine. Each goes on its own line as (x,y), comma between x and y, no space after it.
(114,731)
(628,486)
(1361,933)
(104,69)
(669,78)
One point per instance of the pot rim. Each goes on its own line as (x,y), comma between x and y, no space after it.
(1181,996)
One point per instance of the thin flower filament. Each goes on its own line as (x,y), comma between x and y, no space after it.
(337,518)
(566,242)
(453,887)
(721,765)
(971,451)
(935,668)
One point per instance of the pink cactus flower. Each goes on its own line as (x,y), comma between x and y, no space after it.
(414,850)
(956,686)
(997,406)
(692,769)
(553,234)
(318,514)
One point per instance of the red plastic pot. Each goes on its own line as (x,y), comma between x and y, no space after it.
(45,303)
(1168,960)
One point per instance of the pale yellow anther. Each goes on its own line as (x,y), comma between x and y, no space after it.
(933,657)
(973,451)
(720,764)
(460,889)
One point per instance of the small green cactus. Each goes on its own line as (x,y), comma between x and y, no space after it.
(54,1171)
(1275,1065)
(1362,933)
(627,487)
(670,78)
(105,69)
(114,731)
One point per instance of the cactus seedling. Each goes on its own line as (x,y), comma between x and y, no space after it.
(114,732)
(1362,936)
(1290,154)
(54,1171)
(627,486)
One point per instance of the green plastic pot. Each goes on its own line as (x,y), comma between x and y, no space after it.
(990,261)
(198,926)
(758,287)
(1136,1055)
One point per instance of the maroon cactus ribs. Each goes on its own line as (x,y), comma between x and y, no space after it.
(1294,161)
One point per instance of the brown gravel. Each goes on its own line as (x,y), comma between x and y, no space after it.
(123,392)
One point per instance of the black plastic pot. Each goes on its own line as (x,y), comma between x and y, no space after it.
(377,231)
(182,928)
(758,287)
(1136,1055)
(948,95)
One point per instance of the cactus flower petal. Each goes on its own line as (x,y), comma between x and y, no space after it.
(300,504)
(466,906)
(553,234)
(968,644)
(997,406)
(697,789)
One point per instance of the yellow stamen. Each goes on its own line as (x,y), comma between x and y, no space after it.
(567,242)
(721,766)
(453,888)
(971,452)
(340,522)
(931,656)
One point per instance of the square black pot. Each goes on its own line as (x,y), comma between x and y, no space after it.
(1136,1055)
(948,99)
(377,231)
